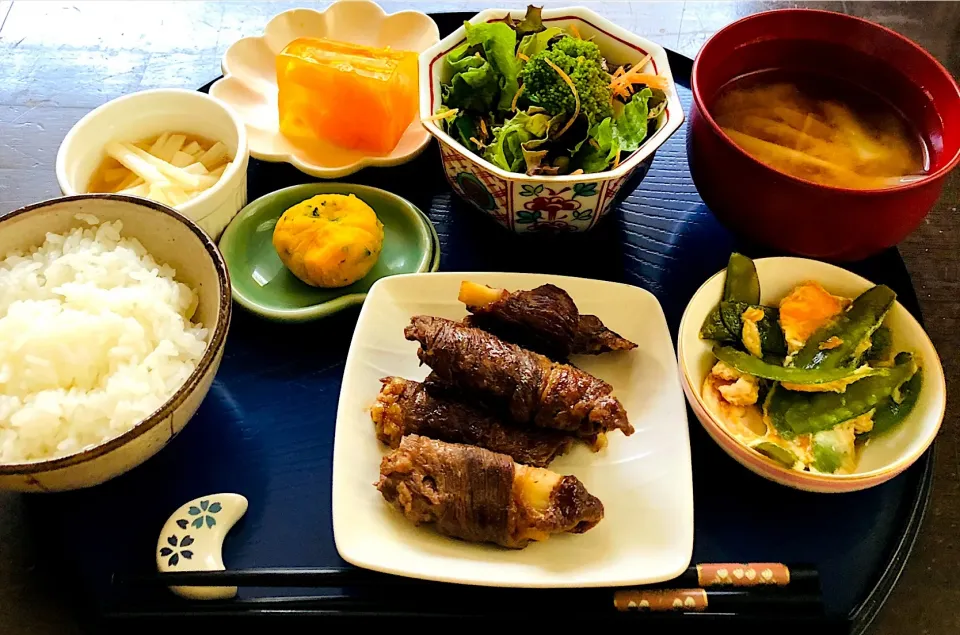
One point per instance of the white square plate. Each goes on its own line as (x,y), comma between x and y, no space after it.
(644,480)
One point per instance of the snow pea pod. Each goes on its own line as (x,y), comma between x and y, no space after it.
(741,284)
(881,343)
(890,413)
(750,365)
(794,413)
(851,328)
(771,336)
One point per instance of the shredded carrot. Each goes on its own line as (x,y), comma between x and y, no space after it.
(483,128)
(516,96)
(616,160)
(576,97)
(475,142)
(523,57)
(575,31)
(622,82)
(576,172)
(442,115)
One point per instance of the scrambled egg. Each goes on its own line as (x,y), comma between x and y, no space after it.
(805,309)
(750,333)
(744,422)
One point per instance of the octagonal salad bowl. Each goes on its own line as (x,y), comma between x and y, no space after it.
(547,203)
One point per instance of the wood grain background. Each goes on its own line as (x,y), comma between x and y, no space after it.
(59,60)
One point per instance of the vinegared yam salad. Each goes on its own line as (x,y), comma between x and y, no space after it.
(806,383)
(543,100)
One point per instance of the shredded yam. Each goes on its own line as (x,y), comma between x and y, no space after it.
(516,96)
(476,142)
(576,97)
(442,115)
(576,172)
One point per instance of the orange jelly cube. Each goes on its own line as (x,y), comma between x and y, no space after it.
(354,96)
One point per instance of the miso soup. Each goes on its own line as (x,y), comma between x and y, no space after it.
(821,129)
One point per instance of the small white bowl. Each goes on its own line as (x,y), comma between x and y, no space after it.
(148,114)
(249,81)
(173,240)
(885,456)
(547,204)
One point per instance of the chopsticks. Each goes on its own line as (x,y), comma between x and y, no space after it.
(714,587)
(701,575)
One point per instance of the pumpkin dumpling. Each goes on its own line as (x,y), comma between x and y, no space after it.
(330,240)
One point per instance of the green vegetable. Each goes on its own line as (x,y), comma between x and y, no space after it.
(534,43)
(771,336)
(891,412)
(750,365)
(631,121)
(852,327)
(595,157)
(777,452)
(881,344)
(713,328)
(615,135)
(499,44)
(741,283)
(506,150)
(581,61)
(834,449)
(794,413)
(531,22)
(474,83)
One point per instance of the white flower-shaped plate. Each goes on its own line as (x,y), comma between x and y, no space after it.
(249,83)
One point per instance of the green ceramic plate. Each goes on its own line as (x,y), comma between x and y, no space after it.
(263,285)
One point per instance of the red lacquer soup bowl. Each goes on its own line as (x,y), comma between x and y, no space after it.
(798,216)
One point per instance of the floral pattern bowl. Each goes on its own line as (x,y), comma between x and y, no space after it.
(249,83)
(546,204)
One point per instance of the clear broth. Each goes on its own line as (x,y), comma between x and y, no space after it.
(821,129)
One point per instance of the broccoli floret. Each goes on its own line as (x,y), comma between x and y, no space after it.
(581,61)
(575,47)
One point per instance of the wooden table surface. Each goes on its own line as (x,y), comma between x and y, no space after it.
(59,60)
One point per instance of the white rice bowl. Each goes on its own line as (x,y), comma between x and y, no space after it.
(95,336)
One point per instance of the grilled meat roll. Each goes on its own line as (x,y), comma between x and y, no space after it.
(544,319)
(408,407)
(526,386)
(481,496)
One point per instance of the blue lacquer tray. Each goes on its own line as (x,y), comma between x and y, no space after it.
(266,428)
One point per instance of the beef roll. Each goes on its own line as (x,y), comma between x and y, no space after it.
(408,407)
(544,319)
(526,386)
(482,496)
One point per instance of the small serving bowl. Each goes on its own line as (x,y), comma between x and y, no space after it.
(150,113)
(885,456)
(249,81)
(546,204)
(173,239)
(262,284)
(799,216)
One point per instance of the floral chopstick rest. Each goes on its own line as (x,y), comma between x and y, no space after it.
(192,540)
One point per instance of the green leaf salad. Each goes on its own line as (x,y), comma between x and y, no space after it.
(542,100)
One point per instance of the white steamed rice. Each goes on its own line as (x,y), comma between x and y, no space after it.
(94,337)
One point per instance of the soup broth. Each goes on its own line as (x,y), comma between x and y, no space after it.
(820,129)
